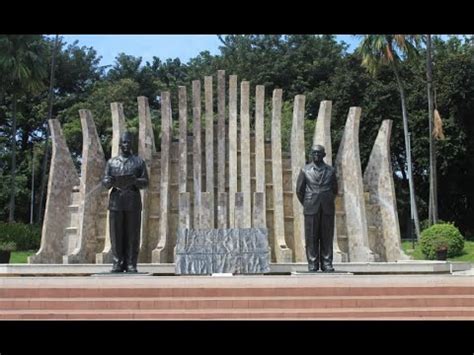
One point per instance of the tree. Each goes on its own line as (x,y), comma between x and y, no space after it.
(50,114)
(433,196)
(22,69)
(377,50)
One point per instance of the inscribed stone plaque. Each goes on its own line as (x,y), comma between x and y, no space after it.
(238,251)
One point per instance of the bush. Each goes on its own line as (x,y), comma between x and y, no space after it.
(439,236)
(424,224)
(7,246)
(25,236)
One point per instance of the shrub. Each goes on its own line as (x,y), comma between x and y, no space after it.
(424,224)
(7,246)
(441,235)
(25,236)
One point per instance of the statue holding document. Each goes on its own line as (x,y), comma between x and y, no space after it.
(125,174)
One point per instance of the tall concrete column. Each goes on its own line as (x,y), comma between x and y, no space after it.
(378,180)
(222,210)
(146,149)
(297,163)
(196,151)
(283,254)
(260,146)
(349,177)
(322,136)
(209,144)
(62,178)
(206,221)
(245,153)
(221,131)
(159,253)
(232,147)
(92,171)
(183,140)
(239,210)
(118,128)
(258,215)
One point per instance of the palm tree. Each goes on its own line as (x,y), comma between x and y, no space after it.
(377,50)
(22,70)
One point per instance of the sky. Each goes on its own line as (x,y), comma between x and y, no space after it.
(184,47)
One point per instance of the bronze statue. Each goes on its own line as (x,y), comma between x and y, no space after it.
(316,189)
(126,174)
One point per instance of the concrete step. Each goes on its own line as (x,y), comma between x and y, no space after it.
(196,303)
(445,313)
(185,292)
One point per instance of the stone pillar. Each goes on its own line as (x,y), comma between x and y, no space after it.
(239,210)
(62,178)
(221,132)
(349,178)
(209,144)
(206,221)
(146,149)
(232,147)
(245,153)
(378,180)
(184,221)
(322,130)
(183,140)
(118,128)
(159,253)
(222,210)
(259,210)
(92,171)
(146,139)
(196,151)
(322,136)
(283,254)
(297,163)
(260,146)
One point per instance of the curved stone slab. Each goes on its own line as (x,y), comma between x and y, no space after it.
(62,178)
(349,178)
(298,159)
(146,149)
(92,202)
(378,180)
(159,254)
(118,128)
(283,253)
(322,136)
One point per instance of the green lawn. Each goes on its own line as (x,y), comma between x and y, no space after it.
(20,257)
(468,252)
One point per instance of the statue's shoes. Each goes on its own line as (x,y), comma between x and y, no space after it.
(132,269)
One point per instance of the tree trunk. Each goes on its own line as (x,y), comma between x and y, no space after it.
(44,166)
(433,198)
(414,211)
(11,216)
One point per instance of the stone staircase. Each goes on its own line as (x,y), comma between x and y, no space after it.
(265,297)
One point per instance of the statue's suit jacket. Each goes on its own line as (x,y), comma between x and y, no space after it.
(317,193)
(126,199)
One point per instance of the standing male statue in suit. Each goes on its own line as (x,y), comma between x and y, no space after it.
(316,189)
(126,174)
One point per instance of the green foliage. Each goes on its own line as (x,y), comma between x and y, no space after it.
(25,236)
(441,236)
(7,246)
(424,224)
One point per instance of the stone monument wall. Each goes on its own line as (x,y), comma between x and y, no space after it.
(217,170)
